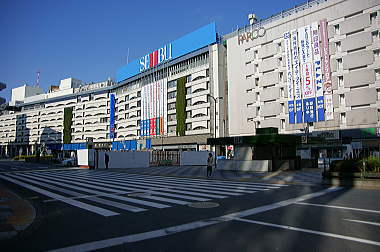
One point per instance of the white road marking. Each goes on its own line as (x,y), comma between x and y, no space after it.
(137,201)
(135,186)
(94,209)
(190,226)
(338,207)
(69,192)
(344,237)
(364,222)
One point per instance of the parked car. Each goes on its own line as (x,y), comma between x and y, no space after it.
(69,162)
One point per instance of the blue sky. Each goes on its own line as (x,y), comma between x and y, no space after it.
(89,39)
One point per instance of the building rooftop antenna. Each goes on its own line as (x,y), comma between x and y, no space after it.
(38,79)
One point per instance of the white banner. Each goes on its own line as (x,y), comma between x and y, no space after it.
(296,76)
(288,61)
(165,91)
(318,81)
(304,41)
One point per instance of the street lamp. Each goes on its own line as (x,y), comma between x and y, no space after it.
(215,99)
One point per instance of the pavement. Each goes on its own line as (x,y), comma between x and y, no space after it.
(308,176)
(16,214)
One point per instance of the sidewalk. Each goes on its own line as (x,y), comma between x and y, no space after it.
(307,176)
(16,214)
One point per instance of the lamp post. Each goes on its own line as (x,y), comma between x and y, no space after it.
(215,99)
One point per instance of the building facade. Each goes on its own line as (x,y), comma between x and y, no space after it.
(314,68)
(137,112)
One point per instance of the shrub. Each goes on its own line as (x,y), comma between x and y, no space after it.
(356,165)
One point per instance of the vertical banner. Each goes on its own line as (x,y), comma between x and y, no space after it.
(308,90)
(142,113)
(327,86)
(289,73)
(318,72)
(296,76)
(112,116)
(165,91)
(162,108)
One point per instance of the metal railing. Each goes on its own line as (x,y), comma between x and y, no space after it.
(276,17)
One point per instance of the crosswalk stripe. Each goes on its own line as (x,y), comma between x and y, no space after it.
(92,181)
(230,189)
(149,187)
(123,198)
(73,193)
(94,209)
(202,184)
(178,185)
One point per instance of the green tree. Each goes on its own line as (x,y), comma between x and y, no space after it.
(67,122)
(180,106)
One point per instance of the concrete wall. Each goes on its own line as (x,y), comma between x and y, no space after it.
(194,157)
(245,165)
(135,159)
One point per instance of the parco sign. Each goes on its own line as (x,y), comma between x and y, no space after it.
(251,35)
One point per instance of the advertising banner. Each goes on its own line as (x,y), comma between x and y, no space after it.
(193,41)
(296,76)
(308,90)
(327,85)
(112,116)
(289,73)
(318,72)
(142,128)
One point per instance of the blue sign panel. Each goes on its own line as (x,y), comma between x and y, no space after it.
(112,116)
(309,110)
(193,41)
(299,111)
(321,108)
(291,111)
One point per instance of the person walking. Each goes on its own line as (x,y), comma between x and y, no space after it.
(106,159)
(210,163)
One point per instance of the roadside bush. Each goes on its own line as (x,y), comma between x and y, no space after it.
(356,165)
(345,165)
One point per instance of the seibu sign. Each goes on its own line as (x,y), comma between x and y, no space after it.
(251,35)
(154,58)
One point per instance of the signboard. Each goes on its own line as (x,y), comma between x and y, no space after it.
(318,72)
(154,109)
(327,86)
(193,41)
(289,80)
(251,35)
(308,90)
(296,76)
(112,116)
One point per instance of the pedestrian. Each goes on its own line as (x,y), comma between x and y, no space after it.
(106,159)
(210,163)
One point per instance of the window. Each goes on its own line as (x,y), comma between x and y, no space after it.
(283,124)
(207,72)
(377,74)
(171,106)
(138,112)
(188,114)
(279,47)
(138,122)
(338,46)
(283,108)
(279,61)
(172,117)
(257,82)
(282,92)
(256,68)
(188,102)
(172,95)
(340,81)
(373,17)
(339,63)
(256,55)
(188,90)
(336,29)
(104,119)
(342,101)
(126,115)
(281,76)
(257,96)
(343,118)
(376,53)
(127,98)
(171,128)
(138,93)
(79,99)
(138,104)
(188,78)
(375,36)
(172,84)
(126,106)
(188,126)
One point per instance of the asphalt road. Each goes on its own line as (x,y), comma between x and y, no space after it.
(8,165)
(103,210)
